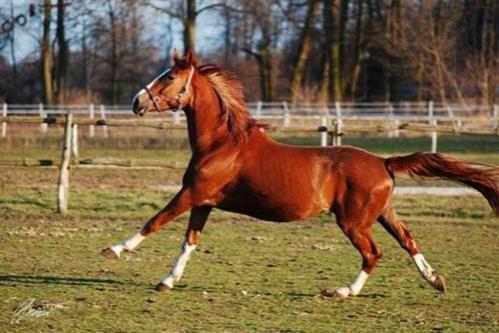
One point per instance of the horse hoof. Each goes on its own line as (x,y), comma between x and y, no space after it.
(439,283)
(343,292)
(109,253)
(162,287)
(327,292)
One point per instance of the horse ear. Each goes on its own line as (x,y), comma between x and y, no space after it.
(190,59)
(176,55)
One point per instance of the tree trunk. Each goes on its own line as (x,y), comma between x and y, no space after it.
(342,32)
(13,47)
(264,61)
(227,35)
(46,56)
(492,60)
(267,73)
(86,76)
(420,81)
(359,49)
(304,45)
(323,95)
(392,34)
(114,56)
(332,48)
(190,26)
(62,66)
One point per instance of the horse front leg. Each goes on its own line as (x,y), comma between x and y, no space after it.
(197,220)
(178,205)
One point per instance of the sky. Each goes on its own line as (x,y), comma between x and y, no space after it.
(207,38)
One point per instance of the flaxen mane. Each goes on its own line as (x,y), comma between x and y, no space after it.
(230,92)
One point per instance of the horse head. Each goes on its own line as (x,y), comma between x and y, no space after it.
(171,90)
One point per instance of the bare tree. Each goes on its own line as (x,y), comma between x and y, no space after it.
(187,14)
(46,55)
(304,46)
(332,64)
(63,56)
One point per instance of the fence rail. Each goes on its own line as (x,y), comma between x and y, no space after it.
(334,129)
(300,115)
(426,110)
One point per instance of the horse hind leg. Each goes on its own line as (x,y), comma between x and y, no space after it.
(390,221)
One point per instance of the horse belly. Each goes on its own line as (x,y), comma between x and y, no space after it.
(271,206)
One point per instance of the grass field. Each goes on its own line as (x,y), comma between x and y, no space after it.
(247,275)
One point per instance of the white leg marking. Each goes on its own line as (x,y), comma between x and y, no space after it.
(424,267)
(129,244)
(359,282)
(178,269)
(356,286)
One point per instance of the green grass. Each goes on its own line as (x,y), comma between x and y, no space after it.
(176,147)
(247,275)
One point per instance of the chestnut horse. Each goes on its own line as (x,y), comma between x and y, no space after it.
(236,167)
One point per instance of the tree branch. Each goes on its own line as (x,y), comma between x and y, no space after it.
(165,11)
(251,53)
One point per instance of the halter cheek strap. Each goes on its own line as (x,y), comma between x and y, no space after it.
(185,89)
(175,102)
(152,98)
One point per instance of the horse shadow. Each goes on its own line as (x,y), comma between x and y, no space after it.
(57,280)
(7,280)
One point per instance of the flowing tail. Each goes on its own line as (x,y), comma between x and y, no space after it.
(483,178)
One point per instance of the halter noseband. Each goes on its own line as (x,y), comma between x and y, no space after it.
(169,100)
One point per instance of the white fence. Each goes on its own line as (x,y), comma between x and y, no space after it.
(301,115)
(411,111)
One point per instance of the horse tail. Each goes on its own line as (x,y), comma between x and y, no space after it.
(483,178)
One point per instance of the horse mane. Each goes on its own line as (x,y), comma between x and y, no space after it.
(230,93)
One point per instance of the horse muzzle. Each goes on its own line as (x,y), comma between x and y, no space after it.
(140,104)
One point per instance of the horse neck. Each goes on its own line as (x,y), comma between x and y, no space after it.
(205,126)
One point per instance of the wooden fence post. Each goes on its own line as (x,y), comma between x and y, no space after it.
(324,129)
(63,186)
(258,109)
(434,136)
(336,133)
(43,126)
(91,111)
(74,141)
(287,118)
(4,124)
(496,117)
(176,117)
(430,110)
(339,124)
(455,122)
(393,122)
(432,122)
(103,116)
(390,116)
